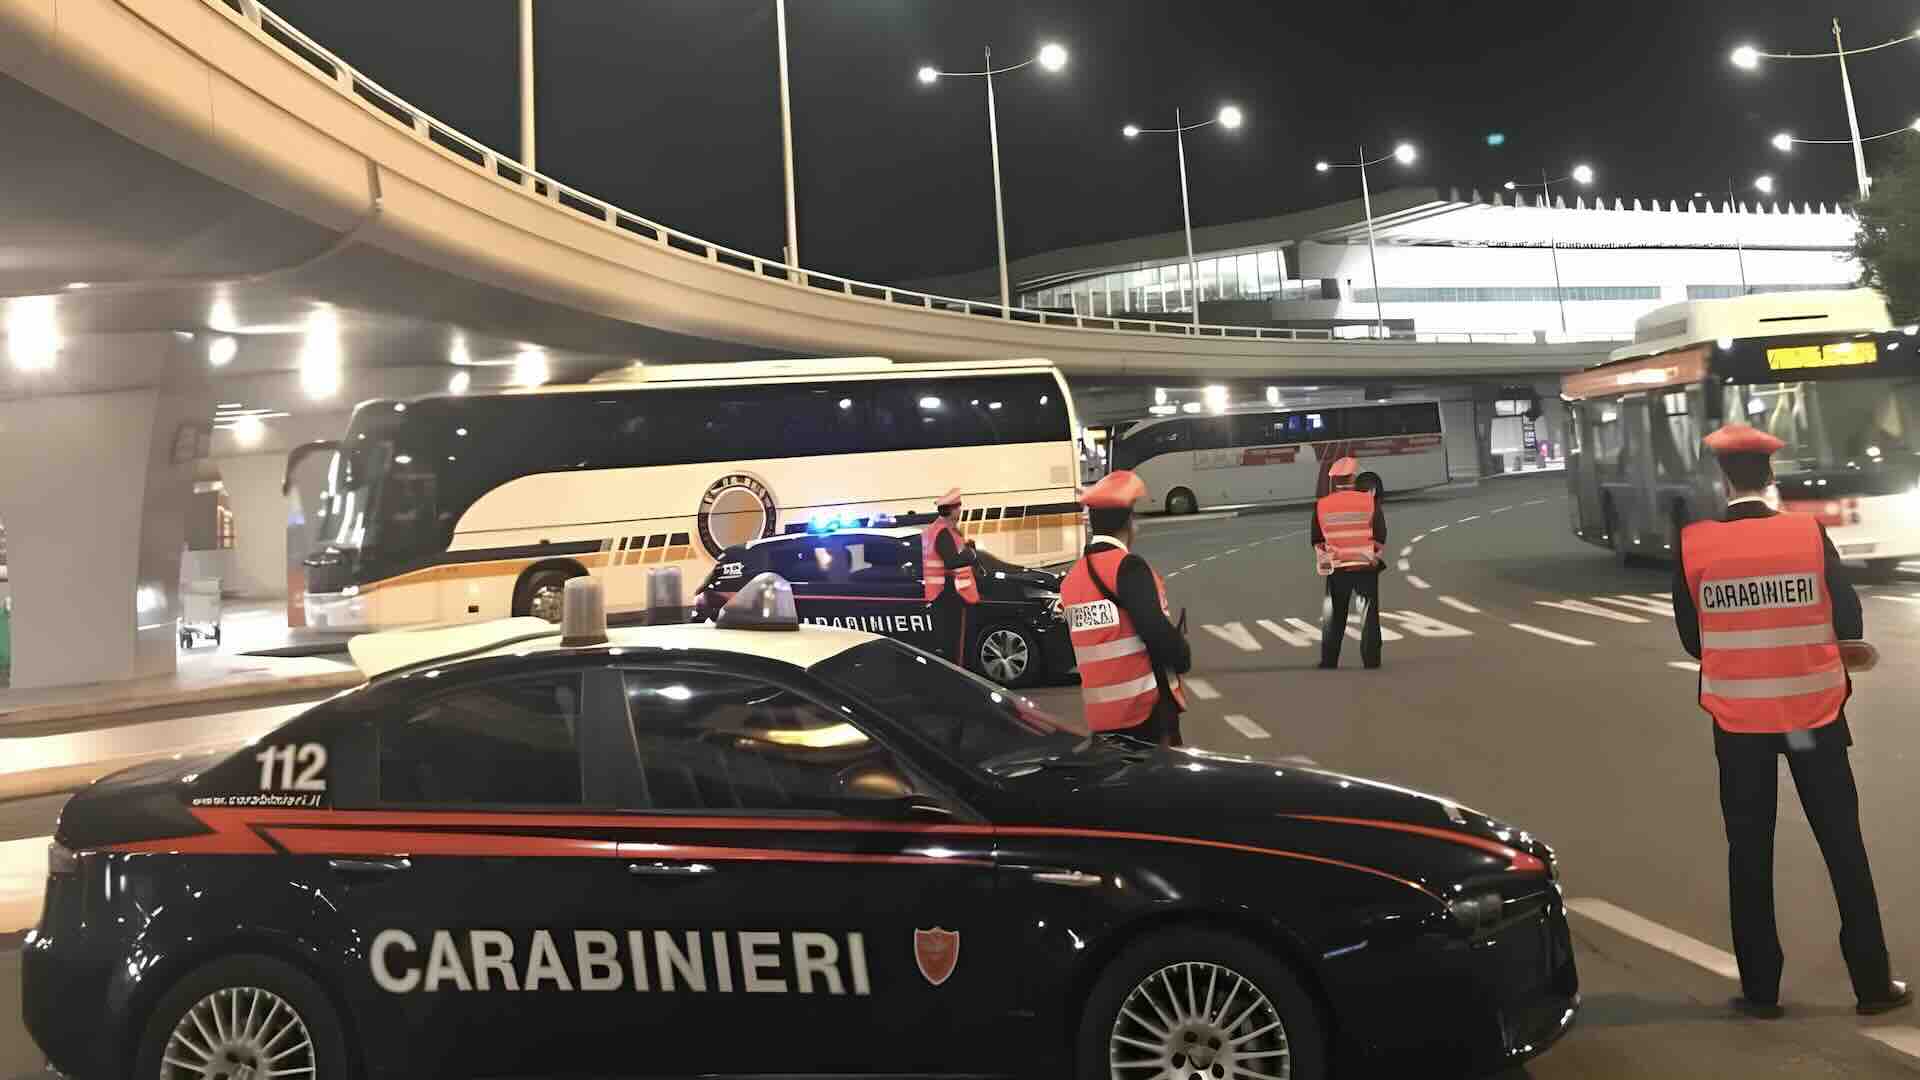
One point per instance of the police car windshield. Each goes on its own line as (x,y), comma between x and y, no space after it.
(969,719)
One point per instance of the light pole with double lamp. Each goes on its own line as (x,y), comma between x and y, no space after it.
(1582,175)
(1051,57)
(1748,58)
(1405,155)
(1228,117)
(1785,142)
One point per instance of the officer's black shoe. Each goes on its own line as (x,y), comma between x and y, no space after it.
(1324,666)
(1899,994)
(1757,1010)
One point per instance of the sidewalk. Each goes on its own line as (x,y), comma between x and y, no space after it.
(202,678)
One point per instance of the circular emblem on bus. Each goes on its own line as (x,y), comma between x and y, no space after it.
(735,509)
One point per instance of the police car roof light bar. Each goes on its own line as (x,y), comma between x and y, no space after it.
(583,614)
(765,603)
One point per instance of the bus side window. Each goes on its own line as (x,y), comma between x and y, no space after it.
(1213,433)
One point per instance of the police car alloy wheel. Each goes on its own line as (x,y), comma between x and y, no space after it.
(244,1018)
(1006,656)
(1199,1005)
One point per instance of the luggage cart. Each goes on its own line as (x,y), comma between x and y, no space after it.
(200,612)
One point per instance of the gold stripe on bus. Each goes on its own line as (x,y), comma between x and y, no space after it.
(488,568)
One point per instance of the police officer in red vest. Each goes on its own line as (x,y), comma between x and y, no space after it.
(1348,533)
(1130,652)
(947,559)
(1762,601)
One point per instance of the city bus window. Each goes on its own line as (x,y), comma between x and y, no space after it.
(1213,433)
(1781,410)
(1150,442)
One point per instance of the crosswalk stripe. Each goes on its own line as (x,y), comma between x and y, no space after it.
(1406,552)
(1500,509)
(1469,517)
(1245,726)
(1459,605)
(1296,638)
(1583,608)
(1418,582)
(1305,627)
(1692,950)
(1234,634)
(1549,635)
(1899,1038)
(1201,688)
(1640,603)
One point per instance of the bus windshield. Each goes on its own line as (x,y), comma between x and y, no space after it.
(1851,424)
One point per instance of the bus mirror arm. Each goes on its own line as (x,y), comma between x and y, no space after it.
(301,453)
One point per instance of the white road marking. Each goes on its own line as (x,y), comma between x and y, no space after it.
(1171,574)
(1307,628)
(1298,759)
(1692,950)
(1469,517)
(1425,625)
(1647,604)
(1683,665)
(1189,566)
(1500,510)
(1533,502)
(1584,608)
(1201,688)
(1231,551)
(1355,621)
(1668,597)
(1406,552)
(1210,558)
(1416,540)
(1896,1037)
(1459,605)
(1245,726)
(1418,582)
(1405,566)
(1235,635)
(1297,638)
(1439,528)
(1549,635)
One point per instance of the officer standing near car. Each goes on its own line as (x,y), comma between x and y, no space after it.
(1761,599)
(1131,654)
(1348,533)
(947,559)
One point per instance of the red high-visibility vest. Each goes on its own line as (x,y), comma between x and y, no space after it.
(1769,662)
(1117,683)
(933,569)
(1346,531)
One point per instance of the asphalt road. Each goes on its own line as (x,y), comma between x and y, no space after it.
(1532,679)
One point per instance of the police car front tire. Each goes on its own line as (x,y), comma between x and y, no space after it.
(244,1016)
(1199,1003)
(1008,654)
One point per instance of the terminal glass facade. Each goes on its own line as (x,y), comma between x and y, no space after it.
(1166,287)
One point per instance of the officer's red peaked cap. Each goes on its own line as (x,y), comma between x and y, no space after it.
(1346,466)
(1742,439)
(951,498)
(1115,491)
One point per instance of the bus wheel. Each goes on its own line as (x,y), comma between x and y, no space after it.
(1181,501)
(540,593)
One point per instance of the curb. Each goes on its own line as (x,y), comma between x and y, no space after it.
(34,715)
(65,779)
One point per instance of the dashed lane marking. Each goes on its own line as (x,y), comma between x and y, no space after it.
(1418,582)
(1459,605)
(1245,726)
(1469,517)
(1673,942)
(1647,604)
(1424,625)
(1565,639)
(1584,608)
(1171,574)
(1896,1037)
(1439,528)
(1231,551)
(1201,688)
(1683,665)
(1405,566)
(1406,552)
(1500,510)
(1415,540)
(1210,558)
(1301,637)
(1533,502)
(1187,567)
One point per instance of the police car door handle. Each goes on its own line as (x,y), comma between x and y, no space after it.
(1072,879)
(370,866)
(670,869)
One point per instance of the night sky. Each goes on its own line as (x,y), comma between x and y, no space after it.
(670,108)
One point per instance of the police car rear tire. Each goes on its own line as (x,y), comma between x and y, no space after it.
(1140,1012)
(1007,653)
(284,1022)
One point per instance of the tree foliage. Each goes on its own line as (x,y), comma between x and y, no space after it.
(1888,243)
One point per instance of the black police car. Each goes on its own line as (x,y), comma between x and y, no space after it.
(692,850)
(869,579)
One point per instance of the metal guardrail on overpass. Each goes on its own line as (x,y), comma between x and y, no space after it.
(866,316)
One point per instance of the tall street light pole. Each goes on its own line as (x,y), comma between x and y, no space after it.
(1405,155)
(786,137)
(1748,58)
(1582,175)
(1051,57)
(1228,117)
(526,85)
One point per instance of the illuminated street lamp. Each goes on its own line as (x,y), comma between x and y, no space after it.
(1051,57)
(1582,175)
(1785,142)
(1748,58)
(1405,155)
(1229,117)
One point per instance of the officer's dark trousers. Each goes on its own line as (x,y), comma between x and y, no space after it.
(1749,779)
(1342,586)
(950,626)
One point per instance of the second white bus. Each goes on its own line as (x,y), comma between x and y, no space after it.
(454,508)
(1281,455)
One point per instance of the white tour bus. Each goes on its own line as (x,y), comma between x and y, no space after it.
(453,508)
(1270,454)
(1826,372)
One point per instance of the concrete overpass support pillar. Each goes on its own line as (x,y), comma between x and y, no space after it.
(94,490)
(259,524)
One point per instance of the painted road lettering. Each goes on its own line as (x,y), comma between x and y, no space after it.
(1234,634)
(1425,625)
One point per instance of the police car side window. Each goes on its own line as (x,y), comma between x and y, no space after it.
(711,742)
(514,742)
